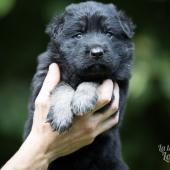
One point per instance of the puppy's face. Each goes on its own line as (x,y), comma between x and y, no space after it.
(95,39)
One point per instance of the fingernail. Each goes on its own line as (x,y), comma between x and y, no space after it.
(52,66)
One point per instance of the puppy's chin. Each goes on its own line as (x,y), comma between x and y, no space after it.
(95,72)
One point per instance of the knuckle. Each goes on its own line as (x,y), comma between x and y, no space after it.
(105,99)
(44,127)
(114,108)
(41,103)
(90,128)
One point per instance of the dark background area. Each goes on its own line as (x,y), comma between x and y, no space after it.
(147,118)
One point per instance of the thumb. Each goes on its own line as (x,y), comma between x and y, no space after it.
(51,80)
(43,98)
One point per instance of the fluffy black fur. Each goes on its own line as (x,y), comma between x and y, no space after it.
(73,34)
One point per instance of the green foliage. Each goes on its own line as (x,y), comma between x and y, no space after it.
(6,6)
(151,62)
(13,104)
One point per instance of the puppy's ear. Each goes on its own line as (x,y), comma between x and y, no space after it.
(126,24)
(55,26)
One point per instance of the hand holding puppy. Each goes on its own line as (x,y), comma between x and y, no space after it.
(42,146)
(85,128)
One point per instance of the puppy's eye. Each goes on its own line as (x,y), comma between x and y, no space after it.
(78,36)
(109,34)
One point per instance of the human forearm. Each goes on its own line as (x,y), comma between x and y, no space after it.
(29,156)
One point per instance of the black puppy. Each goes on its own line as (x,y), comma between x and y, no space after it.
(91,42)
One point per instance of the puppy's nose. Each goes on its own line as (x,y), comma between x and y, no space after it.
(96,52)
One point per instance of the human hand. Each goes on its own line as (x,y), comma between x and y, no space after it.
(84,129)
(43,145)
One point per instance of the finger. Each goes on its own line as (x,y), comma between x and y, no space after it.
(51,80)
(104,92)
(42,100)
(113,106)
(107,124)
(115,102)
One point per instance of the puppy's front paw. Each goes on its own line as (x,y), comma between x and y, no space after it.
(59,118)
(84,99)
(60,115)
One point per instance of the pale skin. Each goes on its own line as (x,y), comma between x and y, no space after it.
(43,145)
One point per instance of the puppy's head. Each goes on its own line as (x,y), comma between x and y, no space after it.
(95,39)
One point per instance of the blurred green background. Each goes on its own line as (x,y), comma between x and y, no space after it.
(147,118)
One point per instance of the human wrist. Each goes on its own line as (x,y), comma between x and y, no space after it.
(32,155)
(43,148)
